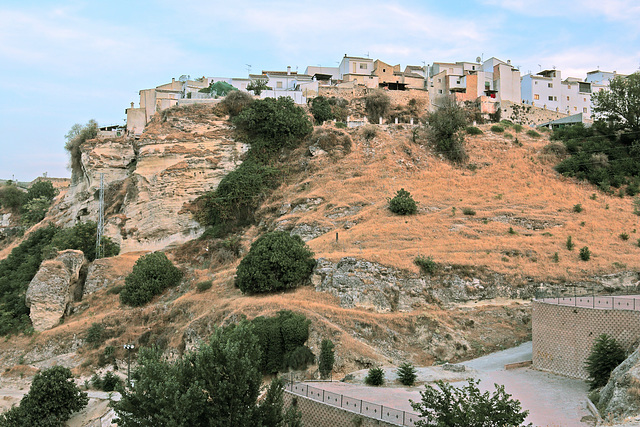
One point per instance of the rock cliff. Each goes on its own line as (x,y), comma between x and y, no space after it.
(150,183)
(621,396)
(57,283)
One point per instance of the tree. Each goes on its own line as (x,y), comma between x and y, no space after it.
(620,105)
(606,354)
(236,101)
(257,86)
(35,210)
(449,406)
(377,105)
(446,126)
(41,189)
(403,203)
(151,275)
(407,374)
(217,385)
(50,402)
(11,196)
(276,261)
(76,137)
(321,109)
(375,377)
(82,237)
(327,358)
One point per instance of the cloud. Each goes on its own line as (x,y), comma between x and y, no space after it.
(613,10)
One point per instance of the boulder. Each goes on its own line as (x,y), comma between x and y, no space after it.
(56,284)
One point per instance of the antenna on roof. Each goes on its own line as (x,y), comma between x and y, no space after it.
(367,54)
(554,67)
(478,59)
(248,68)
(540,66)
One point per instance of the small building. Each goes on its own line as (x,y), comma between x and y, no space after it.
(567,121)
(358,70)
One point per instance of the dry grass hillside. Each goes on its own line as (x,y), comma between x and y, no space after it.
(509,184)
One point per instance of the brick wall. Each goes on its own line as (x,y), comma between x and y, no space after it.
(563,335)
(318,414)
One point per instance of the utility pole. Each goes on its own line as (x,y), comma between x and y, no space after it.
(129,348)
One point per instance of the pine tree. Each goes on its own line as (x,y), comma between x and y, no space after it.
(407,374)
(327,357)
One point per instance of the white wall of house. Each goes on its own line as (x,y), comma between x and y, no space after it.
(541,91)
(334,72)
(506,80)
(576,98)
(600,77)
(354,65)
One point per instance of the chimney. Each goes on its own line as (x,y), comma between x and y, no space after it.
(508,62)
(289,70)
(173,80)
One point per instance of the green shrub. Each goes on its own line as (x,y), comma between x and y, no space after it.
(82,237)
(204,286)
(326,359)
(274,123)
(497,129)
(282,341)
(555,258)
(570,245)
(375,377)
(533,134)
(468,211)
(624,236)
(577,208)
(257,86)
(427,264)
(472,130)
(95,334)
(321,109)
(369,131)
(235,102)
(518,128)
(606,354)
(585,253)
(407,374)
(377,105)
(151,275)
(446,126)
(512,231)
(403,203)
(34,211)
(110,382)
(12,197)
(276,261)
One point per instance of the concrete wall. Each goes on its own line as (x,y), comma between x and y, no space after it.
(136,120)
(563,334)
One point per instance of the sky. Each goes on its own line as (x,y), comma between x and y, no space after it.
(66,62)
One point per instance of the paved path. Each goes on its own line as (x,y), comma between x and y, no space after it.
(552,400)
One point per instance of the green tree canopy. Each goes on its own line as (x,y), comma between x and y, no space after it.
(51,400)
(257,86)
(76,137)
(620,105)
(606,354)
(276,261)
(327,358)
(450,406)
(41,189)
(151,275)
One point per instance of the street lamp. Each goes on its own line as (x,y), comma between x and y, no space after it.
(129,347)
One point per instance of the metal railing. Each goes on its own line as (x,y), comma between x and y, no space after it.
(623,301)
(358,406)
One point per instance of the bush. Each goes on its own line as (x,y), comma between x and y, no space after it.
(427,264)
(327,358)
(377,105)
(257,86)
(321,109)
(274,123)
(577,208)
(585,253)
(276,261)
(204,286)
(235,102)
(570,245)
(472,130)
(466,406)
(518,128)
(624,236)
(34,211)
(41,189)
(12,197)
(533,134)
(468,211)
(403,203)
(110,382)
(606,354)
(445,130)
(51,400)
(341,125)
(82,237)
(151,275)
(76,137)
(95,334)
(375,377)
(369,131)
(497,129)
(407,374)
(282,341)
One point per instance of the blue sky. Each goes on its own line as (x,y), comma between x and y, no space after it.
(65,62)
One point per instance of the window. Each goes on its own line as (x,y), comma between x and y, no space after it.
(568,86)
(384,70)
(584,109)
(439,80)
(363,66)
(549,84)
(535,83)
(279,85)
(575,108)
(536,96)
(567,98)
(550,98)
(585,99)
(473,67)
(439,90)
(555,98)
(457,82)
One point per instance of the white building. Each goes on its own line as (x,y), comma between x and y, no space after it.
(358,70)
(542,89)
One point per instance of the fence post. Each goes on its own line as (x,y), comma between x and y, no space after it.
(361,406)
(341,396)
(322,395)
(381,410)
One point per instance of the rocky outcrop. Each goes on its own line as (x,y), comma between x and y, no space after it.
(620,398)
(151,182)
(57,283)
(106,272)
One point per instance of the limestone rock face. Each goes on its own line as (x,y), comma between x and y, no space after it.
(106,272)
(151,182)
(619,397)
(55,285)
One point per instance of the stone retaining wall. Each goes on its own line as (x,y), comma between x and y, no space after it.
(563,334)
